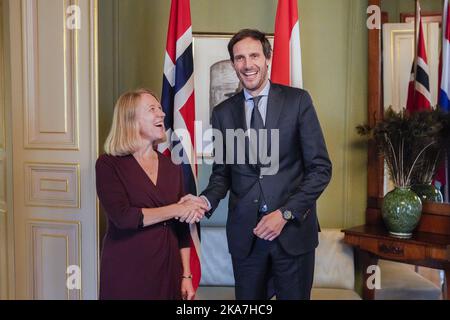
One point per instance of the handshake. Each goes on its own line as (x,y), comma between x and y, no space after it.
(191,209)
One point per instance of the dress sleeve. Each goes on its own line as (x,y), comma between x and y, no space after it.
(114,199)
(183,230)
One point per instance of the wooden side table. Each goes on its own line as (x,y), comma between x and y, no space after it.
(424,249)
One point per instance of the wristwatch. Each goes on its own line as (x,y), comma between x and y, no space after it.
(287,214)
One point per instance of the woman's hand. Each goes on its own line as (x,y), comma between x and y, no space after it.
(187,289)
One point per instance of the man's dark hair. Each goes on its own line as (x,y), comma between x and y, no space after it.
(254,34)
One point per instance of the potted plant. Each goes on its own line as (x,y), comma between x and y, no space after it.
(435,128)
(402,139)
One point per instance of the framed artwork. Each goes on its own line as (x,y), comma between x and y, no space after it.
(427,17)
(214,81)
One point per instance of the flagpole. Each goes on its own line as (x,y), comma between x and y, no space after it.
(416,33)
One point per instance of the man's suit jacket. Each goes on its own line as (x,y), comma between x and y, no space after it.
(304,172)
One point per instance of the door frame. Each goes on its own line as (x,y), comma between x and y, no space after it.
(12,20)
(7,287)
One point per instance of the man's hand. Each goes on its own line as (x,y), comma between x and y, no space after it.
(270,226)
(201,201)
(196,213)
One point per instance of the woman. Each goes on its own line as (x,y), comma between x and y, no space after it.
(145,251)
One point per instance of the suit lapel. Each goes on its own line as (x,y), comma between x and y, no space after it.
(238,111)
(275,105)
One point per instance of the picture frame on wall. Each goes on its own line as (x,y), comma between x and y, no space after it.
(214,81)
(427,17)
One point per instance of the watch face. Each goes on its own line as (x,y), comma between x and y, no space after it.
(287,215)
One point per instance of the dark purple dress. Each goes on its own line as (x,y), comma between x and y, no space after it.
(138,262)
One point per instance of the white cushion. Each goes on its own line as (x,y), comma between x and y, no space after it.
(401,282)
(334,266)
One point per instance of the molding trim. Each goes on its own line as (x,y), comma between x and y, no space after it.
(36,95)
(70,231)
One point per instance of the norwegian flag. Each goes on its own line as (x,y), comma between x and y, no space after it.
(419,96)
(287,53)
(178,103)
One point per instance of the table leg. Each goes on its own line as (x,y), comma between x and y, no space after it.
(367,260)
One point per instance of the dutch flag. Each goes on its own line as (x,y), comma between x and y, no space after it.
(287,46)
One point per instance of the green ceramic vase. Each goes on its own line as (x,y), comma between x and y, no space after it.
(401,211)
(428,192)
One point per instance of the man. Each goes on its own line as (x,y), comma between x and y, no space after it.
(272,226)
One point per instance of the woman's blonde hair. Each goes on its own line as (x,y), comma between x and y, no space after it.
(123,138)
